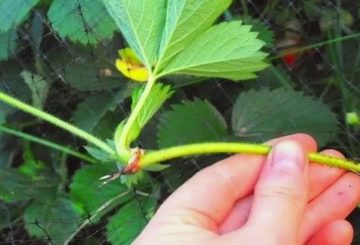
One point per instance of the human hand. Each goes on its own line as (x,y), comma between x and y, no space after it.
(247,199)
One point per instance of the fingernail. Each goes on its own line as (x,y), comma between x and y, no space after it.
(288,156)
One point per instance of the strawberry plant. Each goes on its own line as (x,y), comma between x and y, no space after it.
(168,41)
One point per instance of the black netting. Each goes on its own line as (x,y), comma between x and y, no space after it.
(60,56)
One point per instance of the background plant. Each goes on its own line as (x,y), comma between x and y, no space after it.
(60,56)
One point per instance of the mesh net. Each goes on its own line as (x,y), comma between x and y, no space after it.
(60,56)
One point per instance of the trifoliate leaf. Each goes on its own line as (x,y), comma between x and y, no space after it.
(141,23)
(93,108)
(191,122)
(264,114)
(55,221)
(130,66)
(84,21)
(265,34)
(13,13)
(227,50)
(39,88)
(130,220)
(8,43)
(158,95)
(185,20)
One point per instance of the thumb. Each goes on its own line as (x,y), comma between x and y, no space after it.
(280,195)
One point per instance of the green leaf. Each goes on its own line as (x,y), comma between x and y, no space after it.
(141,23)
(191,122)
(55,220)
(16,186)
(87,189)
(156,167)
(39,88)
(227,50)
(264,114)
(31,166)
(37,31)
(185,20)
(84,21)
(93,108)
(158,95)
(98,154)
(265,34)
(85,72)
(13,13)
(130,220)
(8,43)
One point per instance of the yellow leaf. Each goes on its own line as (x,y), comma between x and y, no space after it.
(130,66)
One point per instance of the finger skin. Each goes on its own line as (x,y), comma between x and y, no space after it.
(238,216)
(335,203)
(280,196)
(339,232)
(320,178)
(209,196)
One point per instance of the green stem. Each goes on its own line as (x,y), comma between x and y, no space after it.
(47,143)
(244,7)
(158,156)
(123,144)
(56,121)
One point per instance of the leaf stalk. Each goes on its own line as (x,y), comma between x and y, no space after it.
(56,121)
(123,145)
(155,157)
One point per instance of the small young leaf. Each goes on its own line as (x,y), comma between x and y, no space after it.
(39,88)
(84,21)
(266,114)
(86,185)
(93,108)
(141,23)
(191,122)
(98,154)
(13,13)
(56,220)
(130,220)
(158,95)
(8,43)
(227,50)
(185,20)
